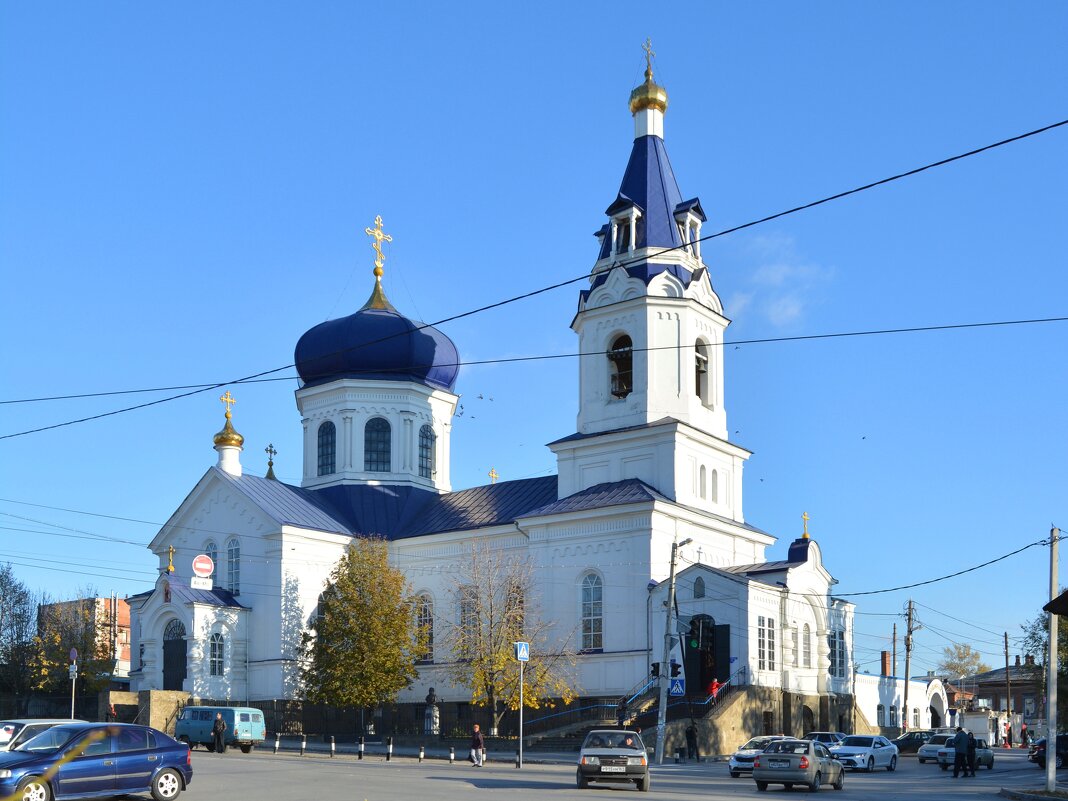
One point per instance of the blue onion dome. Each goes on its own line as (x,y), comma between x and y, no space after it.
(377,342)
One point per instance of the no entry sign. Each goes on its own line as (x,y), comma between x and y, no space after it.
(203,566)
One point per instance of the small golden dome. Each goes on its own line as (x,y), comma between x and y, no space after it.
(649,95)
(229,436)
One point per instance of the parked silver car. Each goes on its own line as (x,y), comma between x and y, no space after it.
(801,762)
(928,752)
(15,732)
(741,761)
(984,757)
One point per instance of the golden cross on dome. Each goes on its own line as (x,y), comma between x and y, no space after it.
(270,451)
(806,518)
(648,48)
(228,399)
(493,476)
(379,238)
(170,559)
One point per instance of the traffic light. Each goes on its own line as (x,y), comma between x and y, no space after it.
(655,670)
(675,668)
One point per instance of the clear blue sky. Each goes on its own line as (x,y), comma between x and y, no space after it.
(185,189)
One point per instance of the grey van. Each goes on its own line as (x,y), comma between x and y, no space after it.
(244,726)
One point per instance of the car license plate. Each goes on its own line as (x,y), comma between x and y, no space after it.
(778,763)
(613,769)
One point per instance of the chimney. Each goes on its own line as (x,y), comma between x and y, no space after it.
(885,663)
(1017,660)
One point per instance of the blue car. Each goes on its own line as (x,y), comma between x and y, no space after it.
(95,760)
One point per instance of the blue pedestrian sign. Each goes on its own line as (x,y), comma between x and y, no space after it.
(678,686)
(522,651)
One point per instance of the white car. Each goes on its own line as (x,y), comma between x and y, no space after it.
(866,752)
(741,761)
(928,752)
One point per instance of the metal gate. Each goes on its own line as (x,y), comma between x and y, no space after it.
(174,655)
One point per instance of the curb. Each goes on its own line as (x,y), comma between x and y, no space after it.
(1024,795)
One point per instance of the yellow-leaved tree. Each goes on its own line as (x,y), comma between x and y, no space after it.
(364,640)
(494,591)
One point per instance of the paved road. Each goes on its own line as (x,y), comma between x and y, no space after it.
(262,776)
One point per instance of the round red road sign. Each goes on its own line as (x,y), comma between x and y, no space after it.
(203,566)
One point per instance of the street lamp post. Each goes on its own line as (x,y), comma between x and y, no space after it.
(665,673)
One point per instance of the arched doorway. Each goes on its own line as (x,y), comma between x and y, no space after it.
(174,655)
(808,720)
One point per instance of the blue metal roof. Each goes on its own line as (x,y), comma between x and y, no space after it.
(288,505)
(650,184)
(615,493)
(491,505)
(183,593)
(378,344)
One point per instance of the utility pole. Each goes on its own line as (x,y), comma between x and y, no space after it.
(1008,682)
(909,628)
(893,672)
(1051,666)
(665,669)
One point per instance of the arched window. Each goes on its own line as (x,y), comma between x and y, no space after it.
(806,646)
(216,658)
(701,481)
(701,370)
(233,566)
(469,621)
(793,637)
(715,486)
(213,552)
(174,630)
(327,449)
(915,717)
(376,445)
(881,715)
(320,611)
(893,715)
(425,623)
(427,463)
(621,366)
(592,613)
(698,587)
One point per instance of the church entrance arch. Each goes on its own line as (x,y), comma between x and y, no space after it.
(706,649)
(174,656)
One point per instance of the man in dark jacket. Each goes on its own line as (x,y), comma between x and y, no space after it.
(478,743)
(218,734)
(972,745)
(960,753)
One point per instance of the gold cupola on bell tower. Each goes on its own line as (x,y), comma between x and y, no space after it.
(228,442)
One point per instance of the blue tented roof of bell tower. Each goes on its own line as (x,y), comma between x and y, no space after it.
(649,183)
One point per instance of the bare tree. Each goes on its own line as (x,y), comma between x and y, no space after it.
(495,594)
(18,624)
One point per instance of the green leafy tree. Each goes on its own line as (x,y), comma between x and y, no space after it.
(364,640)
(1035,642)
(79,623)
(498,607)
(960,659)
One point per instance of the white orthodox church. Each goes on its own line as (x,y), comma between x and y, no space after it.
(649,464)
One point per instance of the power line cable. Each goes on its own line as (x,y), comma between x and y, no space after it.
(580,354)
(560,284)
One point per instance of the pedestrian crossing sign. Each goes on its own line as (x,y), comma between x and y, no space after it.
(522,651)
(678,686)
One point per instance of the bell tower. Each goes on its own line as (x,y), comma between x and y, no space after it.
(651,331)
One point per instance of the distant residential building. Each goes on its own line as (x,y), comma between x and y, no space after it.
(109,618)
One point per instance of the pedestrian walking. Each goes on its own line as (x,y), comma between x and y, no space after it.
(478,743)
(960,753)
(622,713)
(218,734)
(692,751)
(971,754)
